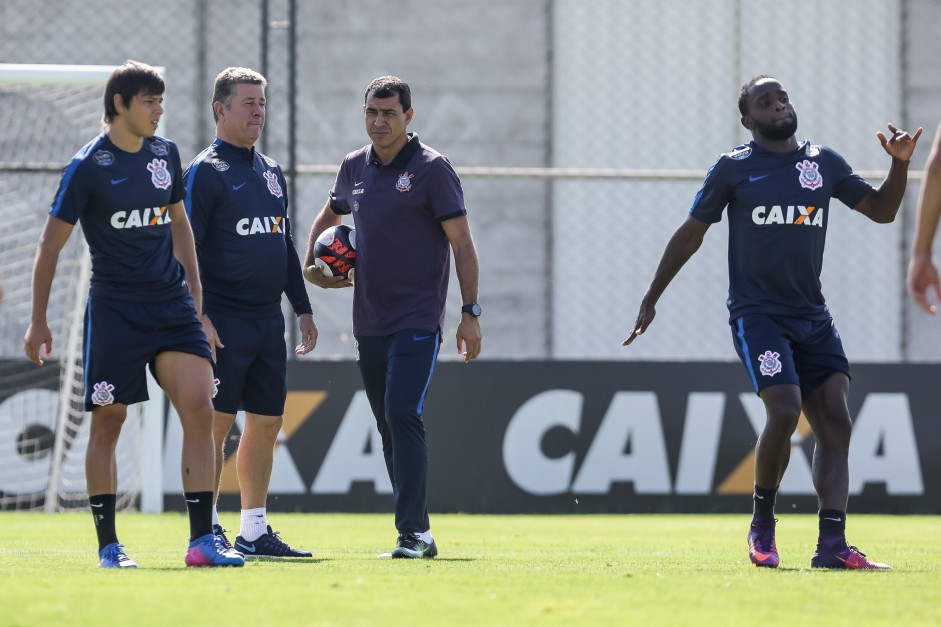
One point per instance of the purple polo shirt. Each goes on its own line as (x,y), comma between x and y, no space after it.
(403,257)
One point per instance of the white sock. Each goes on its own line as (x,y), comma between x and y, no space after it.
(215,515)
(254,523)
(426,537)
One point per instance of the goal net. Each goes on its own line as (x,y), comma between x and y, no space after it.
(47,113)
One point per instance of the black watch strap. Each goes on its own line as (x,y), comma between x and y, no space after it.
(472,309)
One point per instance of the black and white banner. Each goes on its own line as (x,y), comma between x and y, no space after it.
(566,437)
(539,437)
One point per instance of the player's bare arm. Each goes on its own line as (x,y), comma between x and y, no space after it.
(467,267)
(212,336)
(922,273)
(684,243)
(184,249)
(54,235)
(324,220)
(883,203)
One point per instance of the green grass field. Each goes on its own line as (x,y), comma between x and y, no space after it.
(492,570)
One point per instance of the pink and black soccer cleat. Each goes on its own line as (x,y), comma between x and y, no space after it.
(761,548)
(850,558)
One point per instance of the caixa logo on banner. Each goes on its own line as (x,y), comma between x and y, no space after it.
(629,445)
(883,447)
(354,454)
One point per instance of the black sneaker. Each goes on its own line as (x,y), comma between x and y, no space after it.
(217,530)
(266,546)
(411,546)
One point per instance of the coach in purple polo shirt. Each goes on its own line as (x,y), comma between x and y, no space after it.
(408,210)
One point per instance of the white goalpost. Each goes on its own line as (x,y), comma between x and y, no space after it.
(47,113)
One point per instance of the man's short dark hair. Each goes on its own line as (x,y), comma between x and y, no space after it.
(224,88)
(743,95)
(131,79)
(386,86)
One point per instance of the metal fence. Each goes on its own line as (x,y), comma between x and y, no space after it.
(582,131)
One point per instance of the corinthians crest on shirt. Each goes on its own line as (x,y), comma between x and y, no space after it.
(159,175)
(273,185)
(404,183)
(810,177)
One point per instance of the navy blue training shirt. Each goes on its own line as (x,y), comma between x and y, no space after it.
(779,207)
(237,202)
(122,200)
(403,257)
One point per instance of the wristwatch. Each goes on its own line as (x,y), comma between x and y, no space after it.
(472,309)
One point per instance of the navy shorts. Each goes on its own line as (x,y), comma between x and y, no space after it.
(252,368)
(781,349)
(122,338)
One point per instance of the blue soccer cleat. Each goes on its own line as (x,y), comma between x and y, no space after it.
(113,556)
(217,530)
(208,550)
(268,545)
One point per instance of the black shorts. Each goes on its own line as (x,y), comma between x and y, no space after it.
(252,368)
(122,338)
(781,349)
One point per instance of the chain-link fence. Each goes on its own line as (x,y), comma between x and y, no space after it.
(643,89)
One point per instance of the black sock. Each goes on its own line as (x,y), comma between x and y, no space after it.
(764,506)
(102,509)
(199,506)
(832,529)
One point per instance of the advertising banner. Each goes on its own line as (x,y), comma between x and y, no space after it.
(567,437)
(538,437)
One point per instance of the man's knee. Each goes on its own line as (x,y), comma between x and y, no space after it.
(401,414)
(107,421)
(267,427)
(833,431)
(783,409)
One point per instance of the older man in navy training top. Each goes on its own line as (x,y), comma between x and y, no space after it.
(408,210)
(778,192)
(237,199)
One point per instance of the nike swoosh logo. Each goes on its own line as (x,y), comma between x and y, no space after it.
(418,338)
(752,179)
(358,184)
(833,519)
(97,504)
(193,501)
(118,181)
(236,188)
(250,549)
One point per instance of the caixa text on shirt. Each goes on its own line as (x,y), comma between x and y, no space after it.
(265,224)
(151,216)
(792,214)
